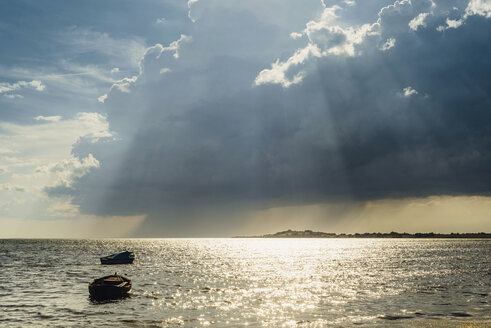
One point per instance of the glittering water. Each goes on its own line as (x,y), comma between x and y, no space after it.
(254,282)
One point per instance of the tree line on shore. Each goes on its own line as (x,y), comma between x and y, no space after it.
(318,234)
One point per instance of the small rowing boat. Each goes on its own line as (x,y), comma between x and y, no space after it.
(125,257)
(110,287)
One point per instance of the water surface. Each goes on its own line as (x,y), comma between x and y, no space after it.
(253,282)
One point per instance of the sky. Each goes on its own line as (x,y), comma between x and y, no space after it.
(215,118)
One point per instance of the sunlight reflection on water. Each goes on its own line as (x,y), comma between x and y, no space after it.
(254,282)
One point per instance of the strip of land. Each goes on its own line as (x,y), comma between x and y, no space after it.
(393,234)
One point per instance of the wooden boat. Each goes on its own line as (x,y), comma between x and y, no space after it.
(110,287)
(125,257)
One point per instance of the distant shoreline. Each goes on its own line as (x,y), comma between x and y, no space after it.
(418,235)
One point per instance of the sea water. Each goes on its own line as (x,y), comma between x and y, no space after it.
(250,282)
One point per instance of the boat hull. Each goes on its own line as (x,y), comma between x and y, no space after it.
(108,292)
(100,289)
(119,258)
(116,261)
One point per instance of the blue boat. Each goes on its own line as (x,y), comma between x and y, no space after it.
(125,257)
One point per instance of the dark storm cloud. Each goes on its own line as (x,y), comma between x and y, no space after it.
(192,130)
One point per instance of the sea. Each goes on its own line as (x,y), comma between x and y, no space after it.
(250,283)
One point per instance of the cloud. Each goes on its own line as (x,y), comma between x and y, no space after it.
(11,187)
(95,125)
(418,21)
(68,81)
(190,4)
(156,51)
(164,70)
(82,41)
(390,43)
(48,118)
(174,46)
(474,8)
(409,91)
(325,38)
(69,170)
(295,35)
(478,7)
(35,157)
(247,117)
(122,85)
(79,67)
(34,84)
(102,98)
(63,209)
(278,71)
(451,23)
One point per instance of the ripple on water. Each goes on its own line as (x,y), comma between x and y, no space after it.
(396,317)
(231,282)
(460,314)
(44,316)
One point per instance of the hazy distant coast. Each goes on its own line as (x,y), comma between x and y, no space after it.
(320,234)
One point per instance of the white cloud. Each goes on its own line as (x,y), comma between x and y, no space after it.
(122,85)
(324,39)
(332,39)
(451,23)
(164,70)
(70,78)
(37,85)
(34,84)
(474,7)
(409,91)
(390,43)
(71,169)
(295,35)
(174,46)
(43,158)
(330,36)
(95,124)
(48,118)
(478,7)
(42,144)
(102,98)
(156,52)
(278,71)
(80,85)
(190,5)
(89,63)
(418,21)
